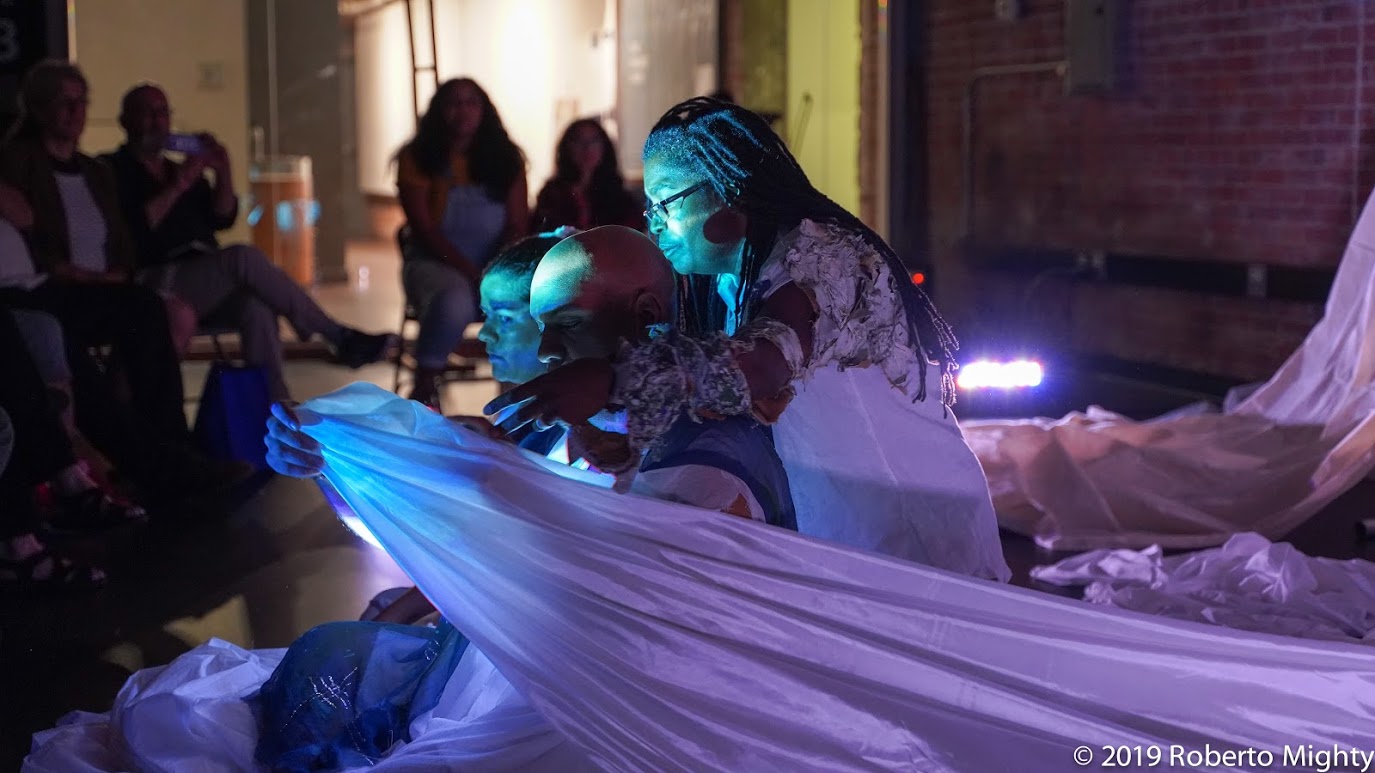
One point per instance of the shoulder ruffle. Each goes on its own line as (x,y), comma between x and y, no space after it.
(861,319)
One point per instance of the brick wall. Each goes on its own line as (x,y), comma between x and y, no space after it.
(1242,133)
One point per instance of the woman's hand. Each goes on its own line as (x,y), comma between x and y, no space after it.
(571,393)
(289,450)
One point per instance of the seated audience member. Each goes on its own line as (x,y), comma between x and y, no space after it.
(587,189)
(173,213)
(65,202)
(160,465)
(77,272)
(42,335)
(40,454)
(461,183)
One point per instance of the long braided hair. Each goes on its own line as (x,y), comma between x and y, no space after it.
(750,169)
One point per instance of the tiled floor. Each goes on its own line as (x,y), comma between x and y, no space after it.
(282,563)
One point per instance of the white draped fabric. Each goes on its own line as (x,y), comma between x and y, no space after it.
(1264,465)
(1248,583)
(661,637)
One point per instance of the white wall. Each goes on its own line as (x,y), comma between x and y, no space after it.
(543,62)
(382,70)
(823,61)
(669,52)
(194,49)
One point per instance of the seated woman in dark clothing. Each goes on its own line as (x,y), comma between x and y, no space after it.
(587,189)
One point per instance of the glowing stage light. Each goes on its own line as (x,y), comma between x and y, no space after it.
(356,526)
(990,374)
(918,278)
(346,514)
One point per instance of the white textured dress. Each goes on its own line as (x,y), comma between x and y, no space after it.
(871,466)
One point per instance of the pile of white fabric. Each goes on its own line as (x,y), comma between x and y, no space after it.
(1249,583)
(1265,464)
(657,636)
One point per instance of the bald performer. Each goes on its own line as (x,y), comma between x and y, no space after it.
(606,287)
(597,289)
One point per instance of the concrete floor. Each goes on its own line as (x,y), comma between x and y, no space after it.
(281,563)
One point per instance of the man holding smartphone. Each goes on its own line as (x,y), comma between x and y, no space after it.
(174,212)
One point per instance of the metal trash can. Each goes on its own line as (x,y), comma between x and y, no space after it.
(283,213)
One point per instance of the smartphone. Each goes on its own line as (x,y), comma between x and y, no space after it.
(189,144)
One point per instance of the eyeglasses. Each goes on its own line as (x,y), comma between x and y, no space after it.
(660,208)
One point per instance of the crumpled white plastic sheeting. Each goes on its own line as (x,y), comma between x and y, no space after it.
(1249,583)
(189,716)
(1268,462)
(658,636)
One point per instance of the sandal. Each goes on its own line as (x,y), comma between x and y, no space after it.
(45,570)
(94,510)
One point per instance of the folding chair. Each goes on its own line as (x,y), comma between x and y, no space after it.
(463,361)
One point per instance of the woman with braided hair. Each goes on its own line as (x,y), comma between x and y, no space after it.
(793,310)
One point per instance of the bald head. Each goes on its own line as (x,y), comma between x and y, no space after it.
(146,118)
(134,98)
(612,260)
(597,287)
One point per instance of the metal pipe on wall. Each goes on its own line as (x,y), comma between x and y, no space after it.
(1059,68)
(434,47)
(272,77)
(410,42)
(416,69)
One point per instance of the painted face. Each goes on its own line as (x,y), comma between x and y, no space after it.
(462,108)
(578,317)
(587,148)
(65,117)
(511,335)
(148,119)
(687,232)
